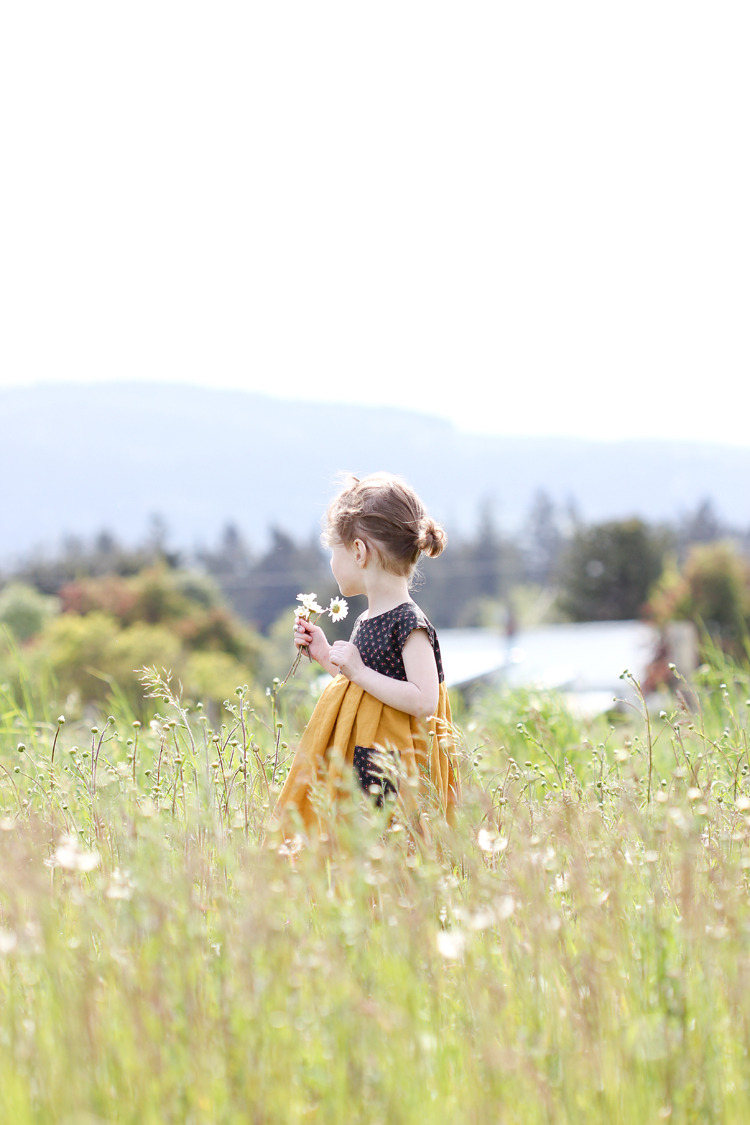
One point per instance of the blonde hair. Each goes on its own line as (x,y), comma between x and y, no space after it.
(386,513)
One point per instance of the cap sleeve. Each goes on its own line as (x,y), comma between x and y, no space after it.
(410,618)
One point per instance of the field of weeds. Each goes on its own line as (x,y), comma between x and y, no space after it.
(576,949)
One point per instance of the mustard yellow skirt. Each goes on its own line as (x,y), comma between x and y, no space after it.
(346,716)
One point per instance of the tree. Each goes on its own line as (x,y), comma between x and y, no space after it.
(459,587)
(484,555)
(608,570)
(543,539)
(104,555)
(231,557)
(701,526)
(279,575)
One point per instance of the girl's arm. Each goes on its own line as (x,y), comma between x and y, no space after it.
(417,695)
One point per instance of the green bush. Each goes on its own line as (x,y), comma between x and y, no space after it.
(712,589)
(113,625)
(24,611)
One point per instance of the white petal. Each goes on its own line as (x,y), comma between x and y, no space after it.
(451,944)
(7,941)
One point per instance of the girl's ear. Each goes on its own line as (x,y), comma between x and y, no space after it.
(360,552)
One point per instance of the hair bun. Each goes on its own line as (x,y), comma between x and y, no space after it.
(432,539)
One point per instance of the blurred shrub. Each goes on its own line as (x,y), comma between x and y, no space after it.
(24,610)
(216,630)
(109,594)
(215,676)
(608,570)
(74,644)
(113,625)
(156,594)
(138,645)
(712,589)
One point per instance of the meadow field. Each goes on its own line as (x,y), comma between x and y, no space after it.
(576,949)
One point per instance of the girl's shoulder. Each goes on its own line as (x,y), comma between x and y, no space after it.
(409,617)
(408,613)
(381,639)
(412,612)
(395,624)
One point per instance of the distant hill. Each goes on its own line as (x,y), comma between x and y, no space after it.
(76,459)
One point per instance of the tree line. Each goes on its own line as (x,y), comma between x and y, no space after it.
(556,566)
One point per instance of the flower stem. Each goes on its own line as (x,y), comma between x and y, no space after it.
(298,657)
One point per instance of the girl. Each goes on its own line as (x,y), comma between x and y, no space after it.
(389,692)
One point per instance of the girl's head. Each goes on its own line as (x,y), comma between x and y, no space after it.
(388,516)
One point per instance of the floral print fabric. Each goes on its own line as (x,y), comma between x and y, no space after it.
(381,639)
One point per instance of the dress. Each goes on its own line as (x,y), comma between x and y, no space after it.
(348,724)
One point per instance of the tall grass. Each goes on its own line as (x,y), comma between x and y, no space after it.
(572,951)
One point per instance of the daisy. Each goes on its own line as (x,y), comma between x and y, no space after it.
(309,606)
(338,609)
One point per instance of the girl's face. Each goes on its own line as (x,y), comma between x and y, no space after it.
(347,564)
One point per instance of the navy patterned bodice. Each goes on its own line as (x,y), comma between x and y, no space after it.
(381,639)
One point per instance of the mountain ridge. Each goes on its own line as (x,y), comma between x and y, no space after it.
(77,458)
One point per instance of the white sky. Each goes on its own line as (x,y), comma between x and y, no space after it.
(531,217)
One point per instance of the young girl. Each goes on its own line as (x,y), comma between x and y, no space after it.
(389,692)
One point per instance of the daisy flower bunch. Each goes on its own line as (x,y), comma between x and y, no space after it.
(308,609)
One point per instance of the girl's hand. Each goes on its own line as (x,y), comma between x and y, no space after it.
(313,639)
(344,656)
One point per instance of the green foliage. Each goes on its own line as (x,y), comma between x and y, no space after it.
(608,569)
(458,588)
(531,725)
(712,589)
(213,675)
(113,625)
(74,646)
(24,610)
(155,595)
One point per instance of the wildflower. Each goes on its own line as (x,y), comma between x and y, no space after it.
(291,847)
(491,842)
(70,855)
(451,944)
(120,886)
(309,606)
(490,916)
(338,609)
(7,941)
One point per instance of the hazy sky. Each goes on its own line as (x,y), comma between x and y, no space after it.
(531,217)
